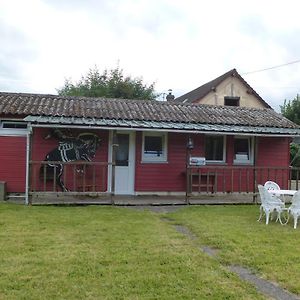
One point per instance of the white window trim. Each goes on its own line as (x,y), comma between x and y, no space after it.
(251,151)
(13,131)
(155,159)
(13,122)
(224,152)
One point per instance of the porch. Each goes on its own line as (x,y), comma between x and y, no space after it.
(89,183)
(236,181)
(133,200)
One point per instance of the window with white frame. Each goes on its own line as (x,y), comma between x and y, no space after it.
(243,150)
(13,125)
(215,148)
(154,147)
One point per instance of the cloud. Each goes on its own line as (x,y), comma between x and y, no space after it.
(16,54)
(178,44)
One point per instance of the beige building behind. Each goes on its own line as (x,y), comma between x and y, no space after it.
(230,89)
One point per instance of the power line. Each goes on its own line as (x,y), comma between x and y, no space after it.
(277,87)
(271,68)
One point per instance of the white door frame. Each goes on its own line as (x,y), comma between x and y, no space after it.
(131,160)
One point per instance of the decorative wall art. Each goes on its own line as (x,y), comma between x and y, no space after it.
(71,147)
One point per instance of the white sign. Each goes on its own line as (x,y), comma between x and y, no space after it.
(197,161)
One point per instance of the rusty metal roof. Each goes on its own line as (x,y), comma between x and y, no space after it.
(138,110)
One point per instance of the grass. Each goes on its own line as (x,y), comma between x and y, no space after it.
(98,252)
(272,251)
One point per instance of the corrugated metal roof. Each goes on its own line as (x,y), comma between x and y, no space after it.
(162,125)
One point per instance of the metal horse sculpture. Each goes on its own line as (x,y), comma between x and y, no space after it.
(83,147)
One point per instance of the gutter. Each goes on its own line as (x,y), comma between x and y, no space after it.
(211,132)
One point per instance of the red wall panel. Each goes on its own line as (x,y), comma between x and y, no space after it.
(166,176)
(273,152)
(13,163)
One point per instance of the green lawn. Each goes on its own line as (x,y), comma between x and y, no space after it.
(98,252)
(271,251)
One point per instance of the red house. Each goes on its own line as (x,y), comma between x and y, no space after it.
(95,146)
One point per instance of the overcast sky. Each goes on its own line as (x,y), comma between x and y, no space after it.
(177,44)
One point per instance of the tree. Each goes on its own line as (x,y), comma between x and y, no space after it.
(291,110)
(110,84)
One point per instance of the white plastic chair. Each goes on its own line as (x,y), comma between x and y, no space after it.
(270,205)
(294,209)
(270,186)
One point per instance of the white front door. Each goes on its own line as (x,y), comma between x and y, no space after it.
(125,163)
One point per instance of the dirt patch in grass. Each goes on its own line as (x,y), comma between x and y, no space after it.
(157,208)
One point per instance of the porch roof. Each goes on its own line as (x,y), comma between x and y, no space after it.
(156,125)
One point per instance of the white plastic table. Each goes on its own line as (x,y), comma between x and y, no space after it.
(283,193)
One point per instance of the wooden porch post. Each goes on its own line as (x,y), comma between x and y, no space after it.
(114,144)
(254,170)
(187,174)
(28,166)
(189,147)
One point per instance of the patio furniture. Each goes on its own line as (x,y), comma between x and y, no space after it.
(294,209)
(273,186)
(269,205)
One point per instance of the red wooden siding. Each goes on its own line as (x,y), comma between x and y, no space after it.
(13,163)
(273,152)
(166,176)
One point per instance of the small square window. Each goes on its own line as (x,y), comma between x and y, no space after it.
(231,101)
(154,147)
(215,148)
(243,151)
(14,125)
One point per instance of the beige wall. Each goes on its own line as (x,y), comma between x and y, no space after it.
(232,86)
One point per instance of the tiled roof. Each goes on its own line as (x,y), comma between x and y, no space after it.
(206,88)
(161,125)
(138,110)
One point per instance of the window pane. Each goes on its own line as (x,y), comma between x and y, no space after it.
(153,145)
(241,149)
(241,146)
(231,101)
(214,148)
(122,151)
(14,125)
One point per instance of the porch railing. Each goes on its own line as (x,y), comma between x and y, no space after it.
(77,177)
(243,179)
